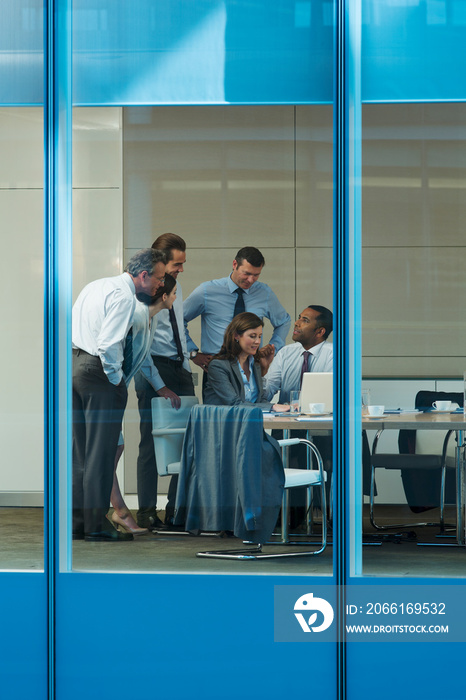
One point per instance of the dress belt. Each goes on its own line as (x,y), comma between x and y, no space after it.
(167,360)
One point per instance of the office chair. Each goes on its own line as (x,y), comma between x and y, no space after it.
(232,479)
(424,474)
(168,429)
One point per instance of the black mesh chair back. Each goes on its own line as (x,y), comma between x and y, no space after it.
(424,476)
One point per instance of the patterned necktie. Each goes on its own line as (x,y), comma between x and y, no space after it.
(128,353)
(306,354)
(176,333)
(239,306)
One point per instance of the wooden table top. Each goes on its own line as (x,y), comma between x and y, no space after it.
(397,421)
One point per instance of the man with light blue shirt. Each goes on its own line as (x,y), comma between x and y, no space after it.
(171,378)
(217,302)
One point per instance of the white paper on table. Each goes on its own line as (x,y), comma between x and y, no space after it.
(308,418)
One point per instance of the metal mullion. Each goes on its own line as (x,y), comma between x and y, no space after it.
(57,286)
(347,269)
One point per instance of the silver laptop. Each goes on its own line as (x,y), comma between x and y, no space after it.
(317,387)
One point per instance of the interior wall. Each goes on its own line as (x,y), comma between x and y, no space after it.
(21,289)
(97,251)
(413,243)
(97,195)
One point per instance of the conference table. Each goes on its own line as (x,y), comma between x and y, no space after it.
(410,420)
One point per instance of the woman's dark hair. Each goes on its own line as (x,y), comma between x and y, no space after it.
(168,286)
(240,324)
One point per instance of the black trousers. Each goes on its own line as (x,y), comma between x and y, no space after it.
(98,408)
(179,380)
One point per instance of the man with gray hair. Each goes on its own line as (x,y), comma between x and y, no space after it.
(102,350)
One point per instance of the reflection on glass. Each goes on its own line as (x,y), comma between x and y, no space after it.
(413,209)
(22,424)
(221,178)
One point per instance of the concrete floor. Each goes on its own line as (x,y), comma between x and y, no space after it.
(21,548)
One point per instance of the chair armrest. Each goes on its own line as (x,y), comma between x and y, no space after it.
(375,442)
(310,446)
(289,441)
(168,431)
(445,446)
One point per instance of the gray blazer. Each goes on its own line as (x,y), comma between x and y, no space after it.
(225,385)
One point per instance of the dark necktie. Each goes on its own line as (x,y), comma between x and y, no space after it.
(239,306)
(306,354)
(176,333)
(128,353)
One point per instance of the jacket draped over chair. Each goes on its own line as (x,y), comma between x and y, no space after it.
(231,475)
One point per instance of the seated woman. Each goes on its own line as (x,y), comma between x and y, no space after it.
(234,375)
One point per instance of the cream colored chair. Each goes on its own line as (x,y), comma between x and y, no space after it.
(168,429)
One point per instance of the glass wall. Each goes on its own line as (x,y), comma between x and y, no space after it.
(222,178)
(214,120)
(22,424)
(414,167)
(21,198)
(171,154)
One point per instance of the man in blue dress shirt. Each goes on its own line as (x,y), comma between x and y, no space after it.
(171,378)
(218,301)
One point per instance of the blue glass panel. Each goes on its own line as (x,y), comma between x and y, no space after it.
(203,52)
(23,642)
(413,50)
(226,51)
(21,52)
(217,623)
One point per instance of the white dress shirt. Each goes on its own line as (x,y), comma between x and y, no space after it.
(102,316)
(284,374)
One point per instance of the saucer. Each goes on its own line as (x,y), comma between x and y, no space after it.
(324,413)
(374,417)
(443,410)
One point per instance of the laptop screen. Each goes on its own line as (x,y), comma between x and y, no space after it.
(317,387)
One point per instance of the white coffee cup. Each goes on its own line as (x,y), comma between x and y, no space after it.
(442,405)
(316,408)
(375,411)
